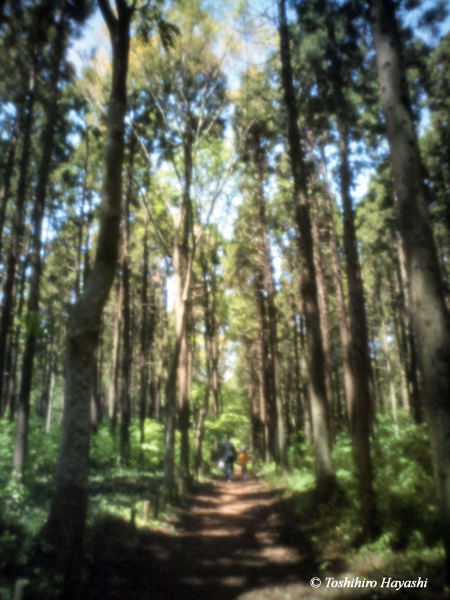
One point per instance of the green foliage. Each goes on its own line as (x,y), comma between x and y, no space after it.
(103,453)
(149,454)
(235,420)
(22,512)
(146,456)
(6,449)
(406,499)
(43,448)
(404,485)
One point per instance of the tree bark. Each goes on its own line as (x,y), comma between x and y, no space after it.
(144,335)
(326,481)
(181,295)
(186,258)
(360,407)
(23,406)
(323,310)
(17,232)
(430,314)
(266,406)
(81,221)
(415,400)
(64,529)
(125,392)
(337,275)
(7,176)
(115,356)
(279,449)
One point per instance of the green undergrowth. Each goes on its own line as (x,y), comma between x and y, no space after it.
(119,498)
(409,544)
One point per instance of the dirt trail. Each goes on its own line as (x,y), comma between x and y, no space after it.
(231,540)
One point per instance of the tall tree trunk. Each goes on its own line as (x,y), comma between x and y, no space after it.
(181,290)
(96,398)
(266,406)
(81,220)
(23,407)
(323,310)
(324,468)
(115,355)
(360,406)
(144,335)
(183,399)
(154,324)
(125,392)
(410,340)
(12,361)
(279,449)
(337,275)
(430,314)
(17,232)
(64,529)
(306,404)
(256,442)
(298,383)
(51,393)
(7,176)
(186,258)
(389,374)
(208,341)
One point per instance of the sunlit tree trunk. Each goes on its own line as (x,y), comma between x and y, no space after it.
(337,276)
(144,335)
(360,406)
(279,449)
(181,290)
(125,389)
(115,354)
(82,217)
(186,258)
(253,387)
(410,343)
(64,529)
(266,406)
(430,314)
(389,373)
(323,309)
(324,468)
(209,319)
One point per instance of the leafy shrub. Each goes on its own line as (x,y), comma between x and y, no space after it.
(43,448)
(404,484)
(103,451)
(149,454)
(6,449)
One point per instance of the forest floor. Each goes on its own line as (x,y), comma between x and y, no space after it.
(230,541)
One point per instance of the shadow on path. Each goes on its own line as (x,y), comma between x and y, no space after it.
(230,540)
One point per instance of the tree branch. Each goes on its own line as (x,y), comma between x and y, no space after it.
(108,15)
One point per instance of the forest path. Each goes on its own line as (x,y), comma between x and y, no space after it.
(231,540)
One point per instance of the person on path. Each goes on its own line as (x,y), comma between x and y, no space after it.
(243,459)
(228,455)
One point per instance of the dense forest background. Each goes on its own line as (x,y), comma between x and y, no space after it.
(215,222)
